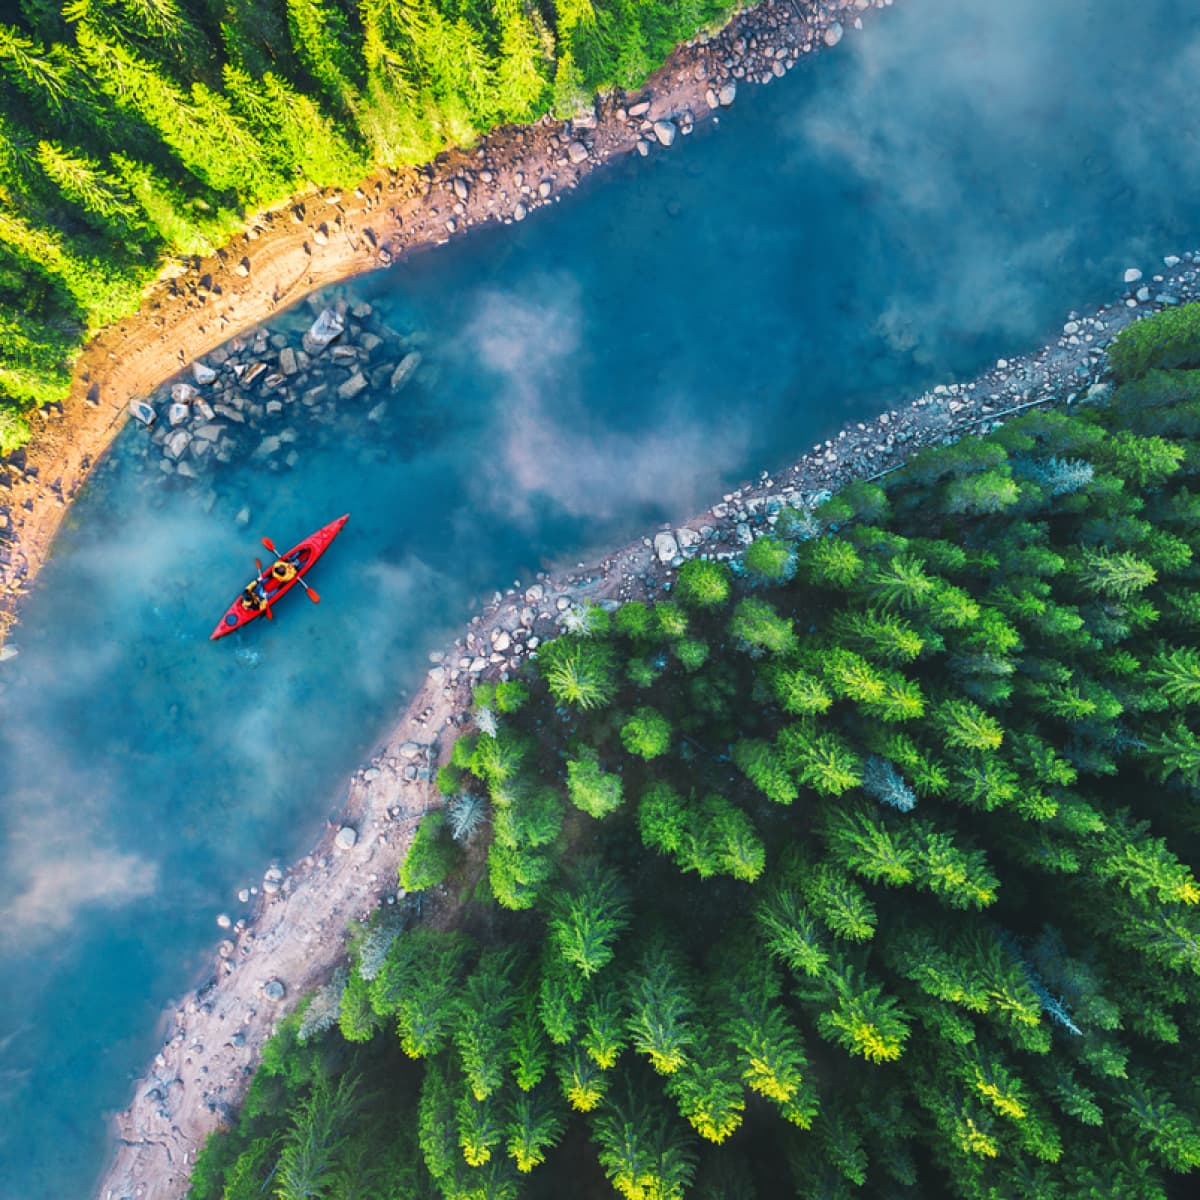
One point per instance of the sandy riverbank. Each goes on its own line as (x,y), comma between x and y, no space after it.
(298,933)
(325,237)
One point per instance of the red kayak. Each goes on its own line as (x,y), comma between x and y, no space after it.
(271,585)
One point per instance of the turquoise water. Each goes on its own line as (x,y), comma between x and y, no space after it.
(939,191)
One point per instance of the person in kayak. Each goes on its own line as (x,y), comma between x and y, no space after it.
(283,570)
(254,598)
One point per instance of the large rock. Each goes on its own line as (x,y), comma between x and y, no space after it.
(268,446)
(328,326)
(287,361)
(346,838)
(177,414)
(143,412)
(1133,275)
(351,388)
(665,131)
(577,152)
(202,373)
(405,370)
(833,34)
(666,547)
(183,393)
(177,443)
(728,94)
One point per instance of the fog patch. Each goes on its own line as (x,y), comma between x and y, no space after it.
(966,121)
(59,861)
(551,449)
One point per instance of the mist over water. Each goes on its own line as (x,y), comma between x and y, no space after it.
(939,191)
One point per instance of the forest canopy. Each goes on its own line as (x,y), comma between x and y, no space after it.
(136,130)
(859,866)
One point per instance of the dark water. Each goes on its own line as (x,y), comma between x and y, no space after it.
(937,192)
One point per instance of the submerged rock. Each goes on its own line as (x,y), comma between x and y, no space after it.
(833,34)
(203,374)
(405,370)
(328,326)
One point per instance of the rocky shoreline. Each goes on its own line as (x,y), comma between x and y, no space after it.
(297,934)
(324,237)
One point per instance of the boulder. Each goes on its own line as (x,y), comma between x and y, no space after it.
(640,109)
(351,388)
(253,372)
(273,879)
(665,132)
(405,370)
(586,119)
(273,989)
(577,152)
(346,838)
(230,414)
(143,412)
(328,326)
(833,34)
(183,393)
(287,361)
(728,94)
(520,212)
(177,443)
(268,446)
(462,189)
(1133,275)
(666,547)
(177,414)
(203,374)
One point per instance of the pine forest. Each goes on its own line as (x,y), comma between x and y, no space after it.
(136,132)
(859,865)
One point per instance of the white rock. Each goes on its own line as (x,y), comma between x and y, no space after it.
(462,189)
(1132,275)
(177,443)
(1172,260)
(520,212)
(325,328)
(833,34)
(202,373)
(183,393)
(665,546)
(665,132)
(177,414)
(143,412)
(8,653)
(577,152)
(224,920)
(728,94)
(643,147)
(346,838)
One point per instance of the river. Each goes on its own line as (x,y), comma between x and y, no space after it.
(940,190)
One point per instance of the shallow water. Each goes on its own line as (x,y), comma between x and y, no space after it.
(940,190)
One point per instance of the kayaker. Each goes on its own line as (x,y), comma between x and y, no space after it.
(283,570)
(254,598)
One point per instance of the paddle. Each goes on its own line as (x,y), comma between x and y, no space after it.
(266,602)
(311,593)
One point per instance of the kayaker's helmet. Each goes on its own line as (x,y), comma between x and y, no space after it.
(283,570)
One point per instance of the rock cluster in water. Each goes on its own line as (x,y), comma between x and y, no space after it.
(259,397)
